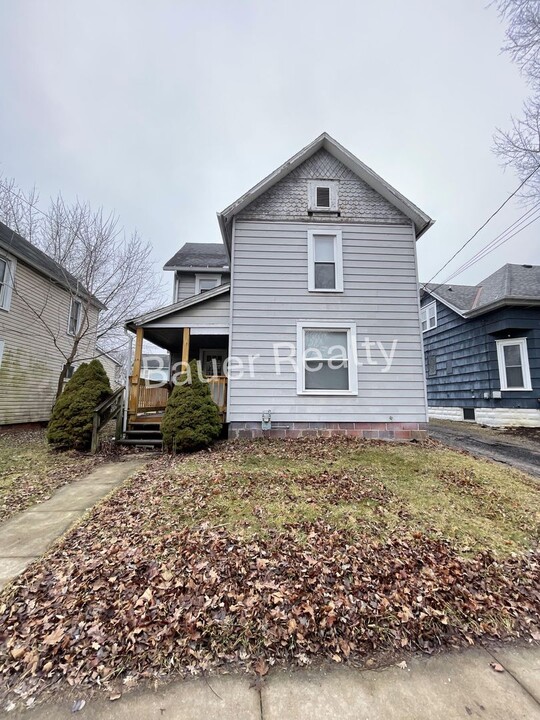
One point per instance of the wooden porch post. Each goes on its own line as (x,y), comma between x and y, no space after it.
(136,373)
(185,348)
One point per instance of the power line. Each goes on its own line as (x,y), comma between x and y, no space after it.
(481,228)
(518,226)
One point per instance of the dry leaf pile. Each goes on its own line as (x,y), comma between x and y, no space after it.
(128,593)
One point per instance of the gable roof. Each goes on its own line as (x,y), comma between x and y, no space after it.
(175,307)
(421,221)
(16,245)
(509,285)
(201,256)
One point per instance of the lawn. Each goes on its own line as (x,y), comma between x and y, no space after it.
(279,552)
(30,472)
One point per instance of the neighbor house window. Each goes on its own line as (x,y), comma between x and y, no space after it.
(431,364)
(323,195)
(1,351)
(428,314)
(69,372)
(326,359)
(7,270)
(513,359)
(206,282)
(75,317)
(325,261)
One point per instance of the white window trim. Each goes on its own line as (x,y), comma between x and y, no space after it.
(11,267)
(1,351)
(352,356)
(425,310)
(205,276)
(333,186)
(80,317)
(338,257)
(522,342)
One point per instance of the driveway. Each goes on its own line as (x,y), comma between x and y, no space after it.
(492,443)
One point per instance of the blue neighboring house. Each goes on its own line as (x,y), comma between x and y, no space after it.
(482,348)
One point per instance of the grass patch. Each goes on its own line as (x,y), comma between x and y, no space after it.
(30,471)
(358,487)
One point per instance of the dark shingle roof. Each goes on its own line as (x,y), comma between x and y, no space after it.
(508,285)
(199,255)
(23,250)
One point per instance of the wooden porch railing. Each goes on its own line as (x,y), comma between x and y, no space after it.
(153,398)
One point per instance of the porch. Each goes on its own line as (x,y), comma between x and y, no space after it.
(147,398)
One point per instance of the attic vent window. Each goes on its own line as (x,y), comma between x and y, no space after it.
(323,196)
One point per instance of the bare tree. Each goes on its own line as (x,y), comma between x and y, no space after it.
(519,147)
(98,260)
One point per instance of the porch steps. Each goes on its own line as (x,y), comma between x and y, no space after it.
(143,434)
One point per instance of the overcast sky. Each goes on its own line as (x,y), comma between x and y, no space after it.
(167,111)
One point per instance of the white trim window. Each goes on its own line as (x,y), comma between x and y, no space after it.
(7,274)
(325,260)
(323,195)
(204,282)
(428,315)
(75,316)
(1,351)
(513,359)
(327,362)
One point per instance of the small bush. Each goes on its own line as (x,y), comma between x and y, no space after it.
(192,420)
(71,420)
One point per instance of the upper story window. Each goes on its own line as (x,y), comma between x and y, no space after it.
(7,272)
(428,314)
(323,195)
(325,261)
(326,359)
(513,359)
(75,317)
(206,282)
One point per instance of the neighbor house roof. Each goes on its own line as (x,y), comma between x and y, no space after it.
(510,285)
(200,256)
(16,245)
(421,221)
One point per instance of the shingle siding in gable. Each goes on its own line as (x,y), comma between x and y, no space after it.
(288,199)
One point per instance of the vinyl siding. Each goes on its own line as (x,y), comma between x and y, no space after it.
(469,347)
(269,296)
(211,312)
(185,284)
(31,363)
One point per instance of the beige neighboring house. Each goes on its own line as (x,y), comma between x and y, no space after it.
(42,308)
(113,367)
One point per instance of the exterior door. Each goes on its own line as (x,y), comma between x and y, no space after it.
(212,362)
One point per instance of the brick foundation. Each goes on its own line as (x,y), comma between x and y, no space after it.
(372,431)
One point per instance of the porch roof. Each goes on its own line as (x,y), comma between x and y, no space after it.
(163,312)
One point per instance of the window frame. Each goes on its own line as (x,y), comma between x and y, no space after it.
(79,320)
(425,309)
(206,276)
(2,346)
(333,186)
(337,234)
(352,356)
(7,284)
(521,342)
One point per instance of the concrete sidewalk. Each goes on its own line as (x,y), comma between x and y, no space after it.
(447,686)
(27,536)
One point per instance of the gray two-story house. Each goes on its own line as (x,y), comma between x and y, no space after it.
(306,317)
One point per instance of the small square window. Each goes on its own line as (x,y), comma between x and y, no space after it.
(323,195)
(203,283)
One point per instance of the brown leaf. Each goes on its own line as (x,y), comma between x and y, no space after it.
(497,667)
